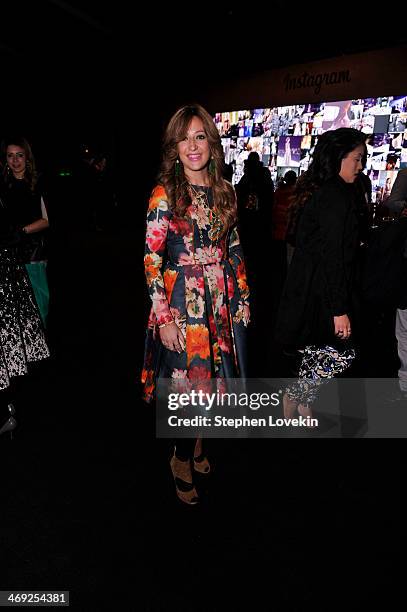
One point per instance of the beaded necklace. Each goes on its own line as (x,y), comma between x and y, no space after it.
(200,198)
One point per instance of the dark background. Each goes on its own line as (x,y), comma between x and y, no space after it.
(111,74)
(87,498)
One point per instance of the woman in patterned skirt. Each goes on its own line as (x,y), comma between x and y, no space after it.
(195,274)
(319,305)
(21,333)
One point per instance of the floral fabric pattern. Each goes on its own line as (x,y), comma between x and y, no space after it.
(199,281)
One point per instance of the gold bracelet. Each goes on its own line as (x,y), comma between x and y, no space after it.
(165,324)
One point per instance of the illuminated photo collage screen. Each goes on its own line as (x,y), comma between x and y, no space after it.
(285,137)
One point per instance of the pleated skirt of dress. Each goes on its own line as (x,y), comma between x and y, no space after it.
(22,339)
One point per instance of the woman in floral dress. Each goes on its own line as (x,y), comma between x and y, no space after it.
(195,274)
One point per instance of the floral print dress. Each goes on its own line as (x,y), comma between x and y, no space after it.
(197,279)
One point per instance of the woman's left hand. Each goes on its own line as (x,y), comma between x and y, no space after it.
(342,327)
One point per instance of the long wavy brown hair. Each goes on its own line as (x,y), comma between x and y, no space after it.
(30,173)
(175,182)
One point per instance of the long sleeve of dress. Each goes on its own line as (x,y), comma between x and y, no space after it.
(158,216)
(332,218)
(236,260)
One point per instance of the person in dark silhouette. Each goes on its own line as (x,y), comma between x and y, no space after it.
(283,198)
(104,197)
(397,204)
(95,191)
(255,189)
(228,172)
(255,192)
(363,190)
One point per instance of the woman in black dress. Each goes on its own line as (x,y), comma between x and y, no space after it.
(21,333)
(319,302)
(21,195)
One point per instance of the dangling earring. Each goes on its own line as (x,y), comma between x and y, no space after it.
(177,168)
(212,167)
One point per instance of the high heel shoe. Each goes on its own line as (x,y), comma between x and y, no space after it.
(10,424)
(181,471)
(201,464)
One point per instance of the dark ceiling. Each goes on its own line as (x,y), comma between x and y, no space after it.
(85,65)
(87,40)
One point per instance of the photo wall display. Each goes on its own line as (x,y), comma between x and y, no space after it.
(285,136)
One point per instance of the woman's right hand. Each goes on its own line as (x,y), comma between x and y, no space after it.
(342,327)
(172,338)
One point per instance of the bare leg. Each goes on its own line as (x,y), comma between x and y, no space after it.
(289,406)
(201,463)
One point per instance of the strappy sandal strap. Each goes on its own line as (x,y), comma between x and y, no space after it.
(201,464)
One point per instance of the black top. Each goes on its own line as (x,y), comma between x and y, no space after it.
(323,276)
(23,205)
(20,206)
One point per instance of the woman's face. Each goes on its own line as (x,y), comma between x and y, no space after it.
(194,151)
(352,165)
(16,160)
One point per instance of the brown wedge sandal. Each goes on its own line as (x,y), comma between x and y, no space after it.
(201,464)
(181,471)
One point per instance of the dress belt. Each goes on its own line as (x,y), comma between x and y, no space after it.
(199,262)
